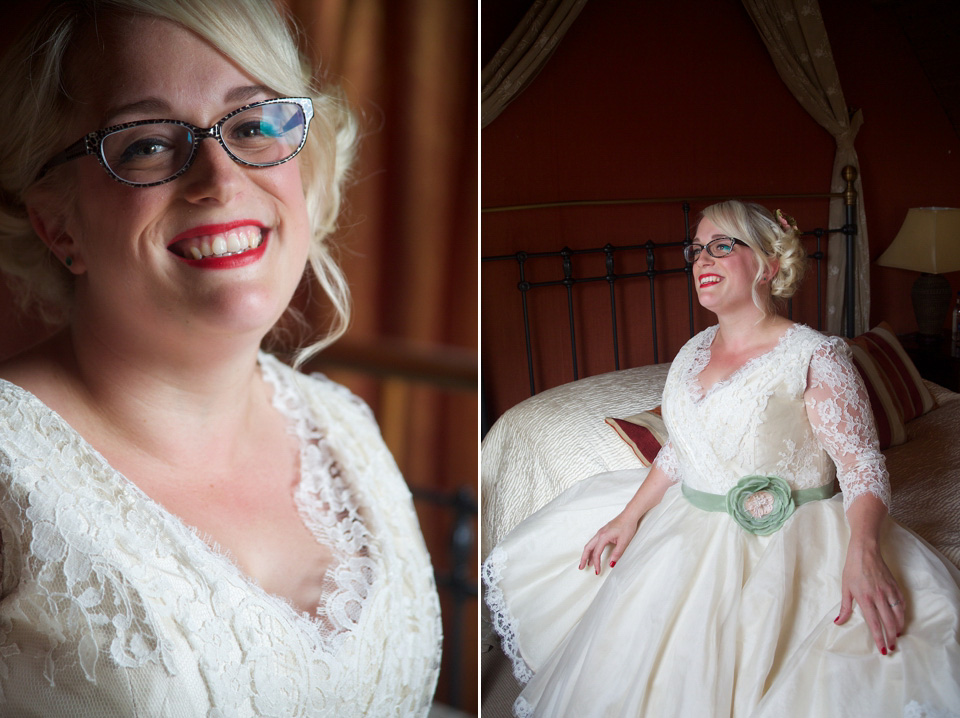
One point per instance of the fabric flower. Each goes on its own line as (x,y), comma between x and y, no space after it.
(760,504)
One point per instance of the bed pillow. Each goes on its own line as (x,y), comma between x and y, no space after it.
(904,379)
(887,412)
(644,433)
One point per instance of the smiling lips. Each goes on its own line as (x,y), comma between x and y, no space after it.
(707,280)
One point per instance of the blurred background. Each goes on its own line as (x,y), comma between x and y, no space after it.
(408,244)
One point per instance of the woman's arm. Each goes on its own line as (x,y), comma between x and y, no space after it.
(839,412)
(621,530)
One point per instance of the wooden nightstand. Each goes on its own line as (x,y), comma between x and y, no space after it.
(933,360)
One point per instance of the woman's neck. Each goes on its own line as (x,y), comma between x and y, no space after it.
(167,398)
(747,330)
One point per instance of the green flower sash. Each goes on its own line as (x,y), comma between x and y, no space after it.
(760,504)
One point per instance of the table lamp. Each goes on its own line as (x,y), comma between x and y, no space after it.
(929,243)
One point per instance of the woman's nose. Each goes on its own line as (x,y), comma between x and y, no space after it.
(213,175)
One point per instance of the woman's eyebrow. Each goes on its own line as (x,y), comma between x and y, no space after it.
(160,109)
(148,105)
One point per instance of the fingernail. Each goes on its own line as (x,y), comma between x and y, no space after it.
(598,571)
(612,564)
(899,634)
(893,647)
(883,651)
(836,619)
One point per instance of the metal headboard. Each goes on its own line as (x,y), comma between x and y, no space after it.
(611,253)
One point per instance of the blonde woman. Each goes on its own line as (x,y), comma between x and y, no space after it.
(731,582)
(189,527)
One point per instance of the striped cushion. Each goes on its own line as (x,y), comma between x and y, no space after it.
(914,397)
(886,409)
(644,433)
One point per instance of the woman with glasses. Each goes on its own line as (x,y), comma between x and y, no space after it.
(189,527)
(727,579)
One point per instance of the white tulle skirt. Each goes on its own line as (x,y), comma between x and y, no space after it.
(700,618)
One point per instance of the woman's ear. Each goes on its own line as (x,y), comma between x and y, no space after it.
(63,246)
(772,270)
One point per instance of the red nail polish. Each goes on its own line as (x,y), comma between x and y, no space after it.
(612,564)
(883,651)
(893,647)
(836,619)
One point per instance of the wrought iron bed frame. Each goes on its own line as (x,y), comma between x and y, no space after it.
(610,252)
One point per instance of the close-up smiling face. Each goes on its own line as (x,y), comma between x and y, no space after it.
(141,255)
(723,283)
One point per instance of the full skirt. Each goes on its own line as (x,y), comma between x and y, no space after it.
(700,618)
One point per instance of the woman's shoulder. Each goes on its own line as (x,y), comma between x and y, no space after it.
(814,341)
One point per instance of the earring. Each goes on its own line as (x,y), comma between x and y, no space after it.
(68,261)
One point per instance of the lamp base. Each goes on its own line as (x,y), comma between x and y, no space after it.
(931,302)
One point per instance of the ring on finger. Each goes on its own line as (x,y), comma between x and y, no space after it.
(895,603)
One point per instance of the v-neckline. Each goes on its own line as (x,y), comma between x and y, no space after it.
(192,536)
(702,361)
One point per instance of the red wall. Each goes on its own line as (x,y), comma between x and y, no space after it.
(667,98)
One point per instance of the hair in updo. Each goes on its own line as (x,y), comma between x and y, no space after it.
(759,228)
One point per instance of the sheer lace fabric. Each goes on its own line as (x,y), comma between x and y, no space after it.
(111,606)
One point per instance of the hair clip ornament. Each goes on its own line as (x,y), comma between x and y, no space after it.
(787,222)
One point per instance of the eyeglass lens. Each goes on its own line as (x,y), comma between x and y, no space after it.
(262,135)
(718,249)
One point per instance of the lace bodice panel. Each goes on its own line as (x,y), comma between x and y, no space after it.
(107,596)
(799,412)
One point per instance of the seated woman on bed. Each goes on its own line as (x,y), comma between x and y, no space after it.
(737,584)
(189,527)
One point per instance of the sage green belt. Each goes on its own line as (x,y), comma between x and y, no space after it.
(772,499)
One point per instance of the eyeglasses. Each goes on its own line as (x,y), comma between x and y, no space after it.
(150,152)
(717,248)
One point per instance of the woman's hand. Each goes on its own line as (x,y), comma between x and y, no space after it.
(618,532)
(868,581)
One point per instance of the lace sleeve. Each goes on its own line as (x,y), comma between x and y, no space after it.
(839,411)
(666,461)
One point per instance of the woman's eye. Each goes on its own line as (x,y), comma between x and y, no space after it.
(144,150)
(255,129)
(723,246)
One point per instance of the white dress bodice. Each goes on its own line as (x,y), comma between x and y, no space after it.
(798,411)
(111,606)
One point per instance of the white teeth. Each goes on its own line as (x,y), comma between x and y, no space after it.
(219,245)
(709,280)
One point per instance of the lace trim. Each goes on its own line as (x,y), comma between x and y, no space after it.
(503,621)
(667,462)
(702,355)
(522,708)
(331,510)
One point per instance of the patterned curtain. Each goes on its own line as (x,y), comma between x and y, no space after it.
(524,54)
(796,39)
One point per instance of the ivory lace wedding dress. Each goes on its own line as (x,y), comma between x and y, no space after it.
(701,616)
(110,606)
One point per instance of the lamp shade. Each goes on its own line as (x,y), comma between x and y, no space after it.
(928,241)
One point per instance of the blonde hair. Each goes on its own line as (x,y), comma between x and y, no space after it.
(758,228)
(33,89)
